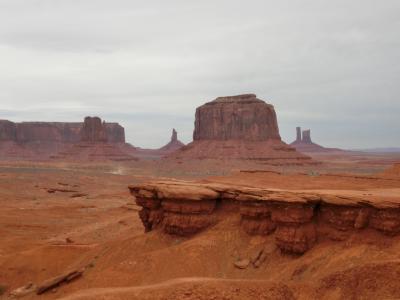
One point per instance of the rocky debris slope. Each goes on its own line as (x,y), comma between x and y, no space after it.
(297,219)
(238,127)
(303,143)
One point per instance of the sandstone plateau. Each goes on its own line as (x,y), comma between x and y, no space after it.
(56,140)
(297,219)
(238,127)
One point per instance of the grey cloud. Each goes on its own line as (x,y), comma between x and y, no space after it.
(329,65)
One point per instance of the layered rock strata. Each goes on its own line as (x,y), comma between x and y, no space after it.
(297,219)
(62,132)
(90,140)
(238,127)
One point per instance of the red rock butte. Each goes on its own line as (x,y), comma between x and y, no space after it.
(303,143)
(242,117)
(239,127)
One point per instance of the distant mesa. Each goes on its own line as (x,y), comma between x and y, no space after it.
(59,140)
(303,143)
(238,127)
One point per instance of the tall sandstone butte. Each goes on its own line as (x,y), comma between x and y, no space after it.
(239,127)
(242,117)
(94,130)
(304,143)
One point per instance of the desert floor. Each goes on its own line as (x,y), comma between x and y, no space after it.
(56,217)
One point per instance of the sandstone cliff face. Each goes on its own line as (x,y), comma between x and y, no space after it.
(8,131)
(239,127)
(93,130)
(297,220)
(62,132)
(242,117)
(47,132)
(52,140)
(115,133)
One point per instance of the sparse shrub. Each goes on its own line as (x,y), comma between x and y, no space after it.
(3,289)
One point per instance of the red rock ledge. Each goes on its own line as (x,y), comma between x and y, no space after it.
(296,218)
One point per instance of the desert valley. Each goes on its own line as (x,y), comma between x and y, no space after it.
(199,150)
(235,214)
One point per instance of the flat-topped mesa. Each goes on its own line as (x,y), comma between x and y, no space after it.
(242,117)
(60,132)
(239,127)
(297,219)
(63,140)
(93,130)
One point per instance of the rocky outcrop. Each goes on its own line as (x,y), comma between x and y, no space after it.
(297,219)
(239,127)
(242,117)
(304,144)
(93,130)
(173,145)
(306,136)
(58,140)
(61,132)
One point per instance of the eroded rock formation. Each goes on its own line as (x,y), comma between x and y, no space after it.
(63,132)
(239,127)
(52,140)
(303,143)
(297,219)
(173,145)
(93,130)
(242,117)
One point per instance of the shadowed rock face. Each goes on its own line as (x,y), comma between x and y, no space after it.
(8,131)
(94,130)
(242,117)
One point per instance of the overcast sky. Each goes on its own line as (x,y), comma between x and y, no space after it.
(332,66)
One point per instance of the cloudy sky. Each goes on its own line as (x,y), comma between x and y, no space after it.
(332,66)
